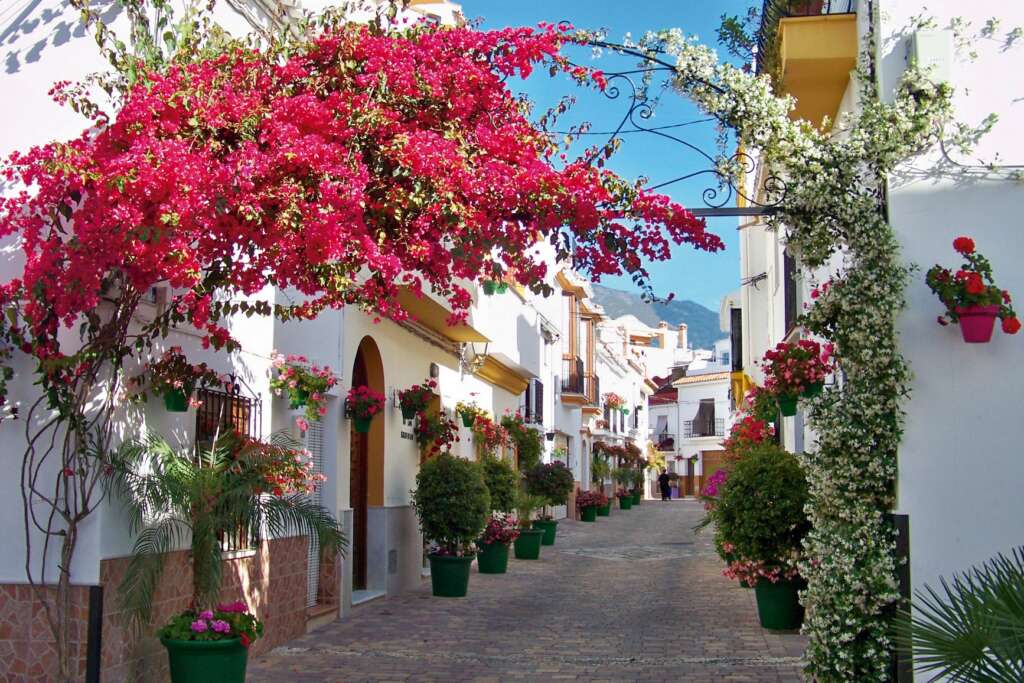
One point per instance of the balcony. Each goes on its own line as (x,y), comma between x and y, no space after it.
(692,429)
(573,381)
(665,441)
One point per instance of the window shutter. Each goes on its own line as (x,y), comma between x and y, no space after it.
(313,442)
(528,409)
(538,397)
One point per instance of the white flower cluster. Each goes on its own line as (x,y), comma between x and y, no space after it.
(834,204)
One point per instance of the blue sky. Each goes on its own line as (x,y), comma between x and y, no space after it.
(698,276)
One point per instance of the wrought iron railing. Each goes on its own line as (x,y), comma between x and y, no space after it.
(573,379)
(693,429)
(665,441)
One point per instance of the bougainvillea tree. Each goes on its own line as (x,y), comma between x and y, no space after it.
(345,165)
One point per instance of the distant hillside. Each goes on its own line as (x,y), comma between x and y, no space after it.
(702,323)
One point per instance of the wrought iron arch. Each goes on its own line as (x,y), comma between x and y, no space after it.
(634,87)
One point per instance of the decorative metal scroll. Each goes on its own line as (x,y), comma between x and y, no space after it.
(633,88)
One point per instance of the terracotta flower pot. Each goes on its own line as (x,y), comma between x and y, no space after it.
(977,323)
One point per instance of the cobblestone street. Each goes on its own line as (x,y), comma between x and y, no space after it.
(635,597)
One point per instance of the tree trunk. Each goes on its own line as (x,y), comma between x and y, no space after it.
(63,612)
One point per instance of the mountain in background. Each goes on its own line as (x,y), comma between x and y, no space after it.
(702,323)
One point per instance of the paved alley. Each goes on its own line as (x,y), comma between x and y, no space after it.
(634,597)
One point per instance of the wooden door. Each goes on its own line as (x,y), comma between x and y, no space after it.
(712,461)
(358,486)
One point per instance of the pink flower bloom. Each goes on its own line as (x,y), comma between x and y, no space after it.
(221,626)
(301,423)
(206,614)
(199,626)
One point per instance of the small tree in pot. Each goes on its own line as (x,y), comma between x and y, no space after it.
(761,523)
(502,483)
(553,482)
(452,504)
(527,545)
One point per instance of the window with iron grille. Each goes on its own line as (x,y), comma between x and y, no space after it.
(221,413)
(534,410)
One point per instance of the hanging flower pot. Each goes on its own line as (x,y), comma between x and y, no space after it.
(467,419)
(176,400)
(501,287)
(490,287)
(409,412)
(977,323)
(362,424)
(813,390)
(298,398)
(787,405)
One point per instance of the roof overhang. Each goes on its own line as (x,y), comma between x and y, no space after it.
(432,314)
(514,380)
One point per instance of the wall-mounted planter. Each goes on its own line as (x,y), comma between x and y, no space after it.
(977,323)
(813,390)
(176,401)
(787,405)
(362,424)
(409,412)
(299,398)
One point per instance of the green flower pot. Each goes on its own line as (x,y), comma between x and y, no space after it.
(605,510)
(467,419)
(589,513)
(362,424)
(778,604)
(637,497)
(298,399)
(501,287)
(745,584)
(492,558)
(176,400)
(449,576)
(527,545)
(206,661)
(813,390)
(787,405)
(490,287)
(549,526)
(409,412)
(625,502)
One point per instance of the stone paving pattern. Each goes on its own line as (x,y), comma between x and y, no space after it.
(636,596)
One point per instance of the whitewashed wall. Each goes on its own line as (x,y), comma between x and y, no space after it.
(960,465)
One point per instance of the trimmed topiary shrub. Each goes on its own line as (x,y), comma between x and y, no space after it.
(502,482)
(451,502)
(760,509)
(552,482)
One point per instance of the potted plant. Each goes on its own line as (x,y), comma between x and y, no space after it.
(469,412)
(492,287)
(614,401)
(527,545)
(526,439)
(637,478)
(792,370)
(435,432)
(971,296)
(502,483)
(361,405)
(600,470)
(452,504)
(237,484)
(416,398)
(553,482)
(588,503)
(174,378)
(501,531)
(306,387)
(760,512)
(623,477)
(489,435)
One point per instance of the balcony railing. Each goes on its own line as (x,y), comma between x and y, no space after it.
(695,430)
(665,441)
(593,389)
(573,379)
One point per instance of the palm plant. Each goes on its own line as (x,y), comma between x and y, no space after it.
(187,499)
(973,629)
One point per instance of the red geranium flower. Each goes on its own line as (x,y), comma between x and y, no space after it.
(964,245)
(974,285)
(1011,325)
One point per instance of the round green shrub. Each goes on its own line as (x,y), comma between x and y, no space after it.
(451,502)
(552,482)
(760,509)
(502,482)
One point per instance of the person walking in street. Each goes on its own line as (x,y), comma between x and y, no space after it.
(666,492)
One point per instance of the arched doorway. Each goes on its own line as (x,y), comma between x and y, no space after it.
(366,463)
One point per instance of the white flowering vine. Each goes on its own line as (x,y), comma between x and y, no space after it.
(833,204)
